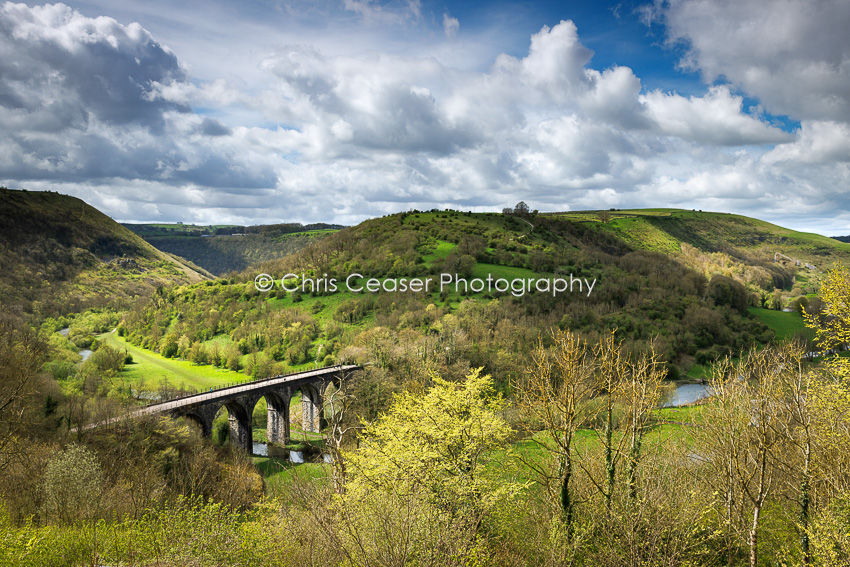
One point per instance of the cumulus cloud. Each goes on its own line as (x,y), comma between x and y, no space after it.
(791,54)
(61,69)
(715,118)
(102,110)
(794,58)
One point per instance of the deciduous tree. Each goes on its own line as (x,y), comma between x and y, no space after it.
(551,395)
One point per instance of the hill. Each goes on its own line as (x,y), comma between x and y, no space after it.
(226,248)
(751,250)
(761,256)
(60,255)
(681,279)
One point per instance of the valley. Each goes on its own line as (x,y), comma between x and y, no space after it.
(506,401)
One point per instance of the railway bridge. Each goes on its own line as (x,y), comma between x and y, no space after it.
(240,400)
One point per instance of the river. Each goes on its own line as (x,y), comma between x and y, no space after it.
(687,393)
(85,353)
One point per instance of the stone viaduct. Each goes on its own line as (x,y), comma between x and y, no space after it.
(240,401)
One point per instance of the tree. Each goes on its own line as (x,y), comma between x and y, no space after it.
(794,422)
(825,439)
(437,443)
(73,481)
(720,442)
(726,291)
(832,322)
(551,394)
(642,391)
(471,245)
(611,369)
(418,487)
(338,406)
(745,435)
(22,354)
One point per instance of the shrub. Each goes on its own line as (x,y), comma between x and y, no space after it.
(108,360)
(73,481)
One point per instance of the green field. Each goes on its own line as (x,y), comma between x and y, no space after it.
(442,250)
(785,325)
(280,473)
(149,368)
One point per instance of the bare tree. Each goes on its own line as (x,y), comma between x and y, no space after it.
(642,391)
(338,406)
(611,368)
(756,469)
(551,395)
(793,422)
(22,353)
(742,439)
(720,442)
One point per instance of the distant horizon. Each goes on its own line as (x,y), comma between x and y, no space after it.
(176,223)
(296,221)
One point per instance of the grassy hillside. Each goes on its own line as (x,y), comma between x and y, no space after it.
(58,255)
(755,252)
(761,256)
(679,278)
(222,254)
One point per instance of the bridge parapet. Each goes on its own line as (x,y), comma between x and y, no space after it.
(239,400)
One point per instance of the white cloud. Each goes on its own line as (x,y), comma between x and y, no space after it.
(450,25)
(791,54)
(343,136)
(715,118)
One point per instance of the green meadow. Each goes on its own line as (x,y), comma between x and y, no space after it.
(150,368)
(785,325)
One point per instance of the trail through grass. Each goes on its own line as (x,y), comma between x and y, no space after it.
(149,368)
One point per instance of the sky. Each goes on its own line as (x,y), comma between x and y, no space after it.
(265,111)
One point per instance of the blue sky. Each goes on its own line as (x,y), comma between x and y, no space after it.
(340,110)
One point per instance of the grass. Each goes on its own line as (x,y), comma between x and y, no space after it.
(150,368)
(515,463)
(664,230)
(687,414)
(785,325)
(699,371)
(482,270)
(280,473)
(442,250)
(644,236)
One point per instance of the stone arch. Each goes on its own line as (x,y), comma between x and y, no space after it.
(239,419)
(312,405)
(277,420)
(197,419)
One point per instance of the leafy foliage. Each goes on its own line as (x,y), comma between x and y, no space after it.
(73,482)
(438,443)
